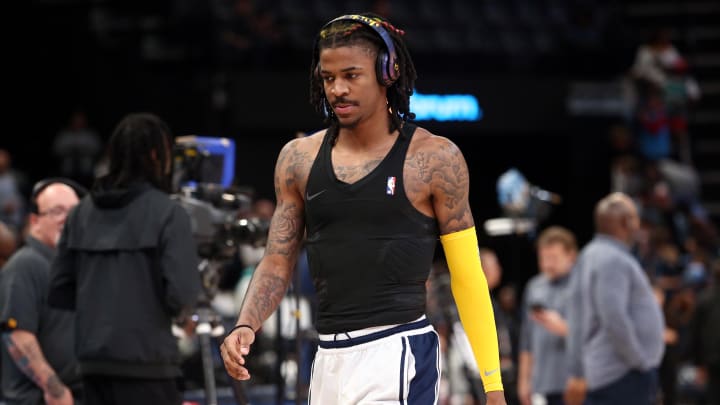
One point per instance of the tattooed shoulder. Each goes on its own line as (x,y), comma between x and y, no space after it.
(438,164)
(431,155)
(294,162)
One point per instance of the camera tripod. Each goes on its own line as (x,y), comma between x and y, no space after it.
(208,328)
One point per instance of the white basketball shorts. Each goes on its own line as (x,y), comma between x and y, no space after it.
(397,364)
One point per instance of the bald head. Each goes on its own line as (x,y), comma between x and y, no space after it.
(53,202)
(617,216)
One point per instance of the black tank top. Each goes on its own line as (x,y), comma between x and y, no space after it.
(370,251)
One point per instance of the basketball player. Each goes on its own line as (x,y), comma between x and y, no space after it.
(373,192)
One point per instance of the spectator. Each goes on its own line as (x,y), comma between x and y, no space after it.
(249,33)
(77,148)
(39,364)
(654,129)
(653,59)
(504,322)
(8,243)
(705,332)
(665,90)
(544,325)
(11,203)
(615,340)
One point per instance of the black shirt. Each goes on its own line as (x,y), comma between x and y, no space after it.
(370,251)
(23,297)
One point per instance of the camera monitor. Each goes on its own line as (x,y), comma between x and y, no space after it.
(213,159)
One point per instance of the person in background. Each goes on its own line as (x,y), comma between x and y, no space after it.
(616,326)
(129,240)
(705,335)
(12,211)
(38,355)
(544,324)
(77,147)
(8,243)
(504,322)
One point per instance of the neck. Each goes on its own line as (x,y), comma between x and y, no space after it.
(559,275)
(38,236)
(620,237)
(366,135)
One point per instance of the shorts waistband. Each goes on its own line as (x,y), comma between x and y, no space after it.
(353,338)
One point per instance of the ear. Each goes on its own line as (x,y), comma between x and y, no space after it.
(623,222)
(626,222)
(33,218)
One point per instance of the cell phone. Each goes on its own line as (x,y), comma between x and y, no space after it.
(537,307)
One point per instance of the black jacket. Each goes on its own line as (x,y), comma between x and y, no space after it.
(127,264)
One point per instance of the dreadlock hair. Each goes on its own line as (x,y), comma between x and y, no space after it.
(130,152)
(347,33)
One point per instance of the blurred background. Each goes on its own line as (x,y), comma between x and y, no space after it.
(579,97)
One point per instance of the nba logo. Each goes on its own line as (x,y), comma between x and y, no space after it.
(390,189)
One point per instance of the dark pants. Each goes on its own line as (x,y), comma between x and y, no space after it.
(633,388)
(110,390)
(668,375)
(713,386)
(555,399)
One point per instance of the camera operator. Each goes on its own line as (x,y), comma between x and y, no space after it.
(127,264)
(38,357)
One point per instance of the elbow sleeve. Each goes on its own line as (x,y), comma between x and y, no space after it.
(472,297)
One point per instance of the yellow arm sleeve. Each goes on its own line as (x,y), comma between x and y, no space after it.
(472,297)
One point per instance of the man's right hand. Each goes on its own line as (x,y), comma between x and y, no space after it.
(575,391)
(551,320)
(234,349)
(496,398)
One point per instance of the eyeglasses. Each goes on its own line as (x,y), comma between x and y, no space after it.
(55,212)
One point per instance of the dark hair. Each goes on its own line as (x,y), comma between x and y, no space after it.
(130,152)
(351,32)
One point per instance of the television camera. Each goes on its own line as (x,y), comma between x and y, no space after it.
(221,215)
(222,220)
(524,205)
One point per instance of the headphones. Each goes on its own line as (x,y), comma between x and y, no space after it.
(44,183)
(387,68)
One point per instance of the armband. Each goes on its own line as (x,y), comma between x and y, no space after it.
(472,297)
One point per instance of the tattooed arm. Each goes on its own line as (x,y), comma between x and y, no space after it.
(447,174)
(25,351)
(272,275)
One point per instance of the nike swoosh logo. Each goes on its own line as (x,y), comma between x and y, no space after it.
(491,372)
(312,196)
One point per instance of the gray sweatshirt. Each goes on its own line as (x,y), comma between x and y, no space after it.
(615,323)
(547,349)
